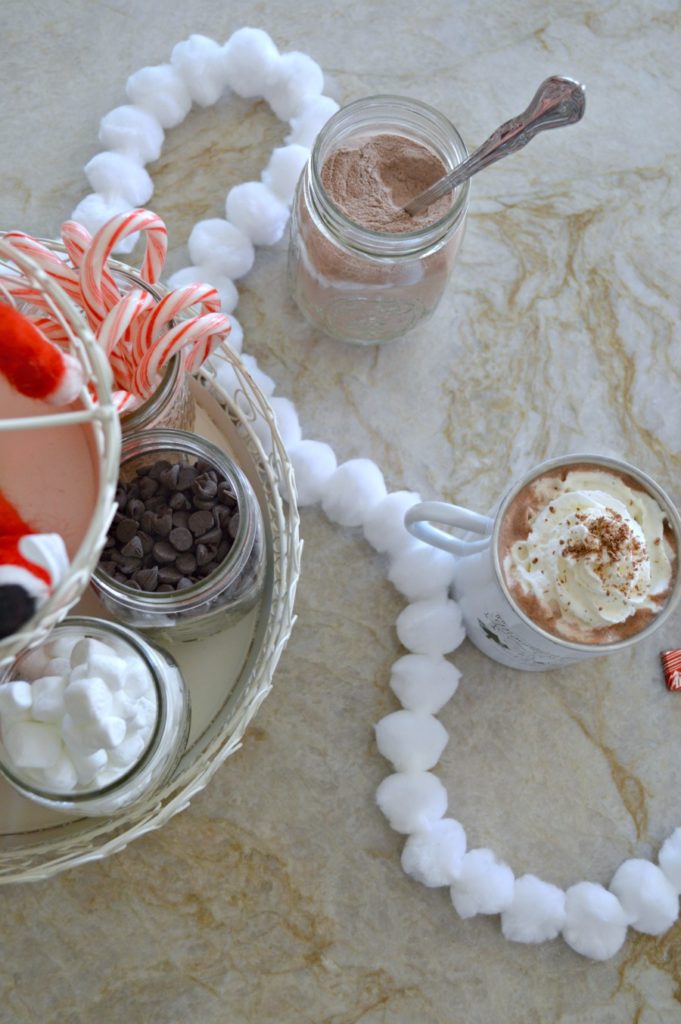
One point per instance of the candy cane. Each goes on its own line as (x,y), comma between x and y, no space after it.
(78,242)
(189,332)
(171,305)
(48,260)
(113,328)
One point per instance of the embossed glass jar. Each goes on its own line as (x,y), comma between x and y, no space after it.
(364,286)
(231,590)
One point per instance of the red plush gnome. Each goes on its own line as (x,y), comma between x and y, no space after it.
(31,564)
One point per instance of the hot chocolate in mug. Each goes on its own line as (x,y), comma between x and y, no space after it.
(580,560)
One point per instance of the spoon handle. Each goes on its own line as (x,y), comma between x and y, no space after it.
(557,102)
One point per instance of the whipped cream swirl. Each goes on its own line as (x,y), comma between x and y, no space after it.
(596,553)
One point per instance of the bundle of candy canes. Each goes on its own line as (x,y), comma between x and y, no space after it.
(139,332)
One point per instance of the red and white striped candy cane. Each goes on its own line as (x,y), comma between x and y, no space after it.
(48,260)
(171,305)
(115,334)
(205,331)
(78,240)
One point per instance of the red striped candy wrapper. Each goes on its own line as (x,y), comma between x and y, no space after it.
(671,662)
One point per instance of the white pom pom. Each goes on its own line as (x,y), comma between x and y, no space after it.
(433,857)
(202,66)
(431,627)
(260,378)
(413,742)
(161,91)
(647,896)
(484,884)
(422,571)
(670,858)
(411,801)
(257,212)
(384,526)
(133,131)
(95,210)
(218,244)
(536,913)
(229,296)
(282,172)
(314,463)
(312,115)
(595,921)
(287,422)
(293,78)
(424,683)
(116,174)
(353,491)
(250,57)
(235,338)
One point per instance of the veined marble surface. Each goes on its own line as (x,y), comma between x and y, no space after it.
(277,897)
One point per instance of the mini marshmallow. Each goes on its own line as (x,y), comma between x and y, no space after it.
(218,244)
(412,741)
(61,647)
(126,753)
(235,338)
(293,78)
(536,913)
(314,463)
(57,667)
(88,700)
(484,884)
(431,627)
(77,737)
(133,131)
(95,210)
(144,717)
(48,699)
(287,422)
(117,174)
(311,117)
(250,58)
(87,765)
(229,296)
(260,378)
(670,858)
(161,91)
(647,896)
(34,661)
(62,776)
(433,856)
(411,801)
(86,648)
(284,169)
(353,491)
(422,682)
(138,682)
(106,732)
(256,211)
(32,744)
(202,65)
(595,921)
(422,571)
(384,526)
(108,667)
(16,699)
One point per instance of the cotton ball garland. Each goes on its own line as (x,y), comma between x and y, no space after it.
(161,91)
(314,462)
(536,913)
(431,627)
(284,169)
(133,131)
(119,175)
(595,921)
(95,210)
(287,422)
(423,682)
(256,211)
(411,801)
(202,66)
(219,244)
(412,741)
(422,571)
(433,856)
(294,77)
(250,59)
(647,896)
(313,114)
(354,489)
(670,858)
(384,526)
(226,289)
(484,884)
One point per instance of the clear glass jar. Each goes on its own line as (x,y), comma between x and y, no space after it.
(231,590)
(168,737)
(360,285)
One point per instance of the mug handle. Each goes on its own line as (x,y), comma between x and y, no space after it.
(419,518)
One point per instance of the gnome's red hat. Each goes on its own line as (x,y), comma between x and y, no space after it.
(31,563)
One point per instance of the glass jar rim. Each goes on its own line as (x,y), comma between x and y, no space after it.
(356,236)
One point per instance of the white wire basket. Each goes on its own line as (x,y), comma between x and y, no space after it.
(93,407)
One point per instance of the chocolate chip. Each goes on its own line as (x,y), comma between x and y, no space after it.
(156,503)
(208,568)
(180,518)
(129,565)
(163,524)
(204,487)
(170,476)
(148,488)
(221,516)
(213,536)
(186,477)
(233,527)
(181,538)
(204,554)
(224,548)
(135,509)
(186,563)
(133,549)
(199,522)
(108,567)
(146,541)
(148,521)
(204,503)
(179,502)
(147,578)
(169,574)
(126,530)
(159,467)
(183,583)
(165,588)
(133,584)
(163,552)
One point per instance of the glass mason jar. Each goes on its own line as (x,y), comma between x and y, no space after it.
(225,595)
(168,736)
(360,285)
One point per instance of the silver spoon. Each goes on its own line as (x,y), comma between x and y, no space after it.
(557,102)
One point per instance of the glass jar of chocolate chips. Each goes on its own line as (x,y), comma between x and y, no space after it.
(185,556)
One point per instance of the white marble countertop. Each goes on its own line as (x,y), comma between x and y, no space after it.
(277,897)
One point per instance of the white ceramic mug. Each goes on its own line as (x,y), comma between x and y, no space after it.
(494,622)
